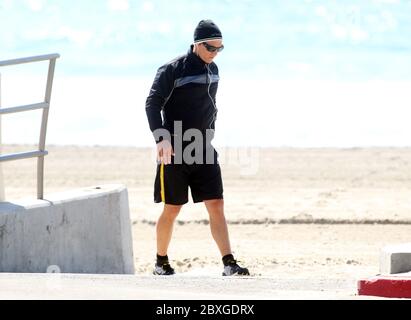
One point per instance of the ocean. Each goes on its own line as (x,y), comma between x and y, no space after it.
(293,73)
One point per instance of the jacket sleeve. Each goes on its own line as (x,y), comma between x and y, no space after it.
(160,92)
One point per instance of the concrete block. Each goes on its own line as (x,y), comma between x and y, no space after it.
(395,259)
(81,231)
(388,286)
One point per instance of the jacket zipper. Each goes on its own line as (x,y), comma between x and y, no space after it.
(209,73)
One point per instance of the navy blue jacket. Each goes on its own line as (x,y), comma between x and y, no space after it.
(184,89)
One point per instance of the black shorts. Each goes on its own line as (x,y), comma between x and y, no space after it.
(172,182)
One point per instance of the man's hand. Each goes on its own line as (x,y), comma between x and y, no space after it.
(164,152)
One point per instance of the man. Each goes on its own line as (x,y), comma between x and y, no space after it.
(181,106)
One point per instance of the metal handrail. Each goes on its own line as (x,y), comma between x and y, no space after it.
(24,108)
(45,57)
(45,105)
(23,155)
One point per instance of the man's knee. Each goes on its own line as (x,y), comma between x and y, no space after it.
(171,210)
(214,202)
(215,206)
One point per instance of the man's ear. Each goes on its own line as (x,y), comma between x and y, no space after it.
(195,47)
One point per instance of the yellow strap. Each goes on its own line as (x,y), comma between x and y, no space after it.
(162,190)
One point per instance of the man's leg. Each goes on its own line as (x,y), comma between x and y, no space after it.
(218,225)
(219,230)
(164,227)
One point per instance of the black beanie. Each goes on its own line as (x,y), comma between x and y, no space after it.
(206,30)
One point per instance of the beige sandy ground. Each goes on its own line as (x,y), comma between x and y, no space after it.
(302,215)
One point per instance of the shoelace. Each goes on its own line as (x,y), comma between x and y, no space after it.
(232,262)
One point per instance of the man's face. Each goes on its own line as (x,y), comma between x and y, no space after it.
(204,53)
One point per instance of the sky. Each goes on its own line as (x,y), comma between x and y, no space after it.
(293,73)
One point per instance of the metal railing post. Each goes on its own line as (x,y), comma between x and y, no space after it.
(45,105)
(43,131)
(2,193)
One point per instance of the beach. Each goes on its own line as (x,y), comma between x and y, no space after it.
(303,214)
(321,106)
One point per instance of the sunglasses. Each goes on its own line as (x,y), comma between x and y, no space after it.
(211,48)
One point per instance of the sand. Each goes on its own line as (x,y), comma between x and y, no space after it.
(293,213)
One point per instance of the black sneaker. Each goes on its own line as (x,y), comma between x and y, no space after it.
(163,270)
(233,269)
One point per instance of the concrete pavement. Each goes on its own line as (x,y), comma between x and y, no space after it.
(179,287)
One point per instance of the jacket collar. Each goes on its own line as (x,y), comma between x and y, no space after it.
(195,58)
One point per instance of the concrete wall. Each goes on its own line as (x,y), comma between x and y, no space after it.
(82,231)
(395,258)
